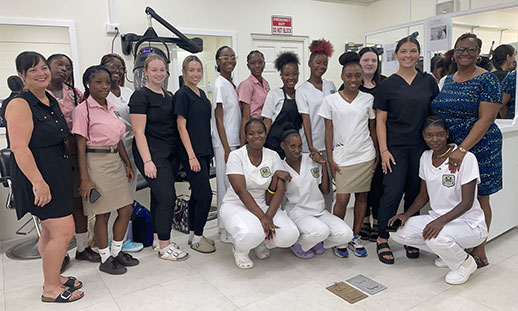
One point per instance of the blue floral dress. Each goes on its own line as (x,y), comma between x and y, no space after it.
(509,87)
(458,104)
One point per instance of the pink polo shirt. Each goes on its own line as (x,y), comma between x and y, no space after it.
(68,104)
(252,92)
(100,126)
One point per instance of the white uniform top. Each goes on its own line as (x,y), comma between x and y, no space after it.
(225,93)
(352,143)
(257,178)
(444,188)
(302,191)
(273,104)
(123,112)
(309,99)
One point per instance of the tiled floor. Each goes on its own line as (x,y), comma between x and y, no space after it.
(282,282)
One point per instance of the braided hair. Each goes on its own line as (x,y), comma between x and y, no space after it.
(91,71)
(70,79)
(435,120)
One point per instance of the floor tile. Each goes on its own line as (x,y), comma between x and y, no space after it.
(310,296)
(510,264)
(191,292)
(448,301)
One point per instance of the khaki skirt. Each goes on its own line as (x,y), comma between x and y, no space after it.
(355,178)
(76,178)
(108,174)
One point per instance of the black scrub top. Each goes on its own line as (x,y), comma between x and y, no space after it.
(407,107)
(197,112)
(161,131)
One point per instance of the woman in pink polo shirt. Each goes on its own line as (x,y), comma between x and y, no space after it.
(104,180)
(62,87)
(252,91)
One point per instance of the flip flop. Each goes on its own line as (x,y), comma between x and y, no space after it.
(385,253)
(64,297)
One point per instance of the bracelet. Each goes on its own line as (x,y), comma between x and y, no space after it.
(270,191)
(147,161)
(190,159)
(384,151)
(462,150)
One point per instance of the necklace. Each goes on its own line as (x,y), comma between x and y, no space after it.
(445,153)
(347,98)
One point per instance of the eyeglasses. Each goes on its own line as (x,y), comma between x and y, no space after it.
(227,58)
(115,68)
(471,50)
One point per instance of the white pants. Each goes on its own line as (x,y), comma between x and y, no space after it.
(328,198)
(315,229)
(449,245)
(222,182)
(247,231)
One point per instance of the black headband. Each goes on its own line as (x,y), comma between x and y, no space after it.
(289,132)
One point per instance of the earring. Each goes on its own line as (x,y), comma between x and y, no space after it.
(479,59)
(453,60)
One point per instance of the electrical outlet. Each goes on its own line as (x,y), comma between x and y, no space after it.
(112,28)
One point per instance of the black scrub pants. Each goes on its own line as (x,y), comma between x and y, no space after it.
(374,196)
(404,179)
(201,194)
(163,193)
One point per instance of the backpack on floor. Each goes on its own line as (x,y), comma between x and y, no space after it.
(141,225)
(181,214)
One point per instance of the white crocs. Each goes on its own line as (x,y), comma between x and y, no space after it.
(261,251)
(173,253)
(242,260)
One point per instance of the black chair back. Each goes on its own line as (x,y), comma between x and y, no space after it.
(5,169)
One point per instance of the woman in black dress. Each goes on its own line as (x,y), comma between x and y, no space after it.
(41,172)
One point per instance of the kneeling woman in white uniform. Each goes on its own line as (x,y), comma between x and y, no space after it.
(305,192)
(455,221)
(250,211)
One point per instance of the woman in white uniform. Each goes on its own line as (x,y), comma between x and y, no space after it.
(226,121)
(455,221)
(309,97)
(350,145)
(250,211)
(318,228)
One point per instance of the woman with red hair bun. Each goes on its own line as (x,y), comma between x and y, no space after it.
(309,97)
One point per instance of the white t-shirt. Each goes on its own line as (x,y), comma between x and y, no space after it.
(445,188)
(309,99)
(302,191)
(257,178)
(273,104)
(225,93)
(123,112)
(352,143)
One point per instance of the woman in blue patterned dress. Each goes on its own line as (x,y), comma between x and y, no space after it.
(469,102)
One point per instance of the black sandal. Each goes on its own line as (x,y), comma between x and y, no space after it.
(480,262)
(412,252)
(365,231)
(373,237)
(64,297)
(385,253)
(70,283)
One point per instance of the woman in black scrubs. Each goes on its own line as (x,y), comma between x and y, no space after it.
(155,150)
(402,103)
(193,111)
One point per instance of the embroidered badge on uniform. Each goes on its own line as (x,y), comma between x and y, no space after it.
(315,172)
(72,96)
(448,180)
(265,172)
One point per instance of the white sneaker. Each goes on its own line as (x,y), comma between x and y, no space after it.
(242,260)
(225,237)
(461,275)
(173,253)
(261,251)
(439,263)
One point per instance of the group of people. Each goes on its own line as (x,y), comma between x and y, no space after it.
(277,153)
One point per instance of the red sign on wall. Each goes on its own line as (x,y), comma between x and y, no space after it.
(282,25)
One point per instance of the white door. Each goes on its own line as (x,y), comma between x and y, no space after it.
(271,46)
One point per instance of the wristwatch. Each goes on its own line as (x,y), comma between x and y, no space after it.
(462,150)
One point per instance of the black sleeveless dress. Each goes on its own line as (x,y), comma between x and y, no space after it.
(48,147)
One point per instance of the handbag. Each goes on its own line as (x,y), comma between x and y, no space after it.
(181,214)
(141,225)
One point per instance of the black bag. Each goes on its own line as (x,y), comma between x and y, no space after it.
(141,225)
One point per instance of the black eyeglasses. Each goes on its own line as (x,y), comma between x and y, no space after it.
(113,68)
(471,50)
